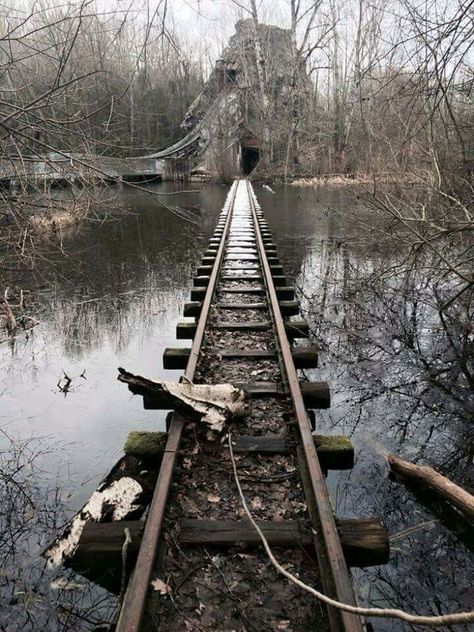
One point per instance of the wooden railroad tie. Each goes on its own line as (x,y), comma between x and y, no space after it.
(288,308)
(294,329)
(315,394)
(303,357)
(335,452)
(99,553)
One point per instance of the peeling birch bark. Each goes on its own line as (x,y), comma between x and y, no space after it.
(213,404)
(116,501)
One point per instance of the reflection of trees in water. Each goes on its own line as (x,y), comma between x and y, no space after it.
(385,331)
(111,281)
(30,510)
(401,375)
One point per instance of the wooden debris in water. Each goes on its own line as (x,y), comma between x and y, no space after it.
(434,481)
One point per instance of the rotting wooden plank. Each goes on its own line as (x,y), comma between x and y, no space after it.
(297,328)
(98,556)
(192,308)
(201,281)
(241,277)
(289,308)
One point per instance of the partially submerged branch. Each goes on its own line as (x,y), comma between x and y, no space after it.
(427,477)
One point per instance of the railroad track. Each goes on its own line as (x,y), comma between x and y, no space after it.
(197,541)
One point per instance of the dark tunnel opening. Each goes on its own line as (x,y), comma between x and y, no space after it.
(250,159)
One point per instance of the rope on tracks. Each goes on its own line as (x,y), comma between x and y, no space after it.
(389,613)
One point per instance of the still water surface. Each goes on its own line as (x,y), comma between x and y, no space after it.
(114,301)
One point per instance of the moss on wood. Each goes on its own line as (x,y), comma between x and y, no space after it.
(334,443)
(145,444)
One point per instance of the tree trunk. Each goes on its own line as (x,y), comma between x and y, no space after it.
(427,477)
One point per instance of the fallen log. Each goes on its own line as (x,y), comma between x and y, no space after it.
(213,404)
(428,477)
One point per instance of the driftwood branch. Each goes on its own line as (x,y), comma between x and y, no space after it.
(427,477)
(213,404)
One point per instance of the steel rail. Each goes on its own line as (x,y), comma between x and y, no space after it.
(331,557)
(133,606)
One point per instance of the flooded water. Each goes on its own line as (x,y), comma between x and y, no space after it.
(114,300)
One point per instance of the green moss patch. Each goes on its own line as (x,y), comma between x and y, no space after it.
(334,443)
(145,444)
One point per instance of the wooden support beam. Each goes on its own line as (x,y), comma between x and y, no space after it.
(98,556)
(185,330)
(244,289)
(257,305)
(279,280)
(99,553)
(365,541)
(316,394)
(241,277)
(276,270)
(241,257)
(262,389)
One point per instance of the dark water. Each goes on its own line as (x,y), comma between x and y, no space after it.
(114,300)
